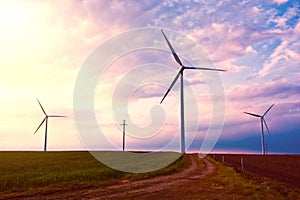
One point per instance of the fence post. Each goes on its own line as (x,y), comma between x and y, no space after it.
(223,159)
(242,164)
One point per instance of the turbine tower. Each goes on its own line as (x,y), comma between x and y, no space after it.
(180,73)
(262,123)
(45,119)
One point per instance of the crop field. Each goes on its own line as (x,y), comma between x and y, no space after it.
(283,168)
(36,172)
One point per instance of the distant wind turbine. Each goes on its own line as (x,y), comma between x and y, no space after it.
(180,73)
(45,119)
(262,123)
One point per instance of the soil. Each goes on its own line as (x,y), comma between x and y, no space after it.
(281,168)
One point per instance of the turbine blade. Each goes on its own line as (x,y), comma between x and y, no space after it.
(255,115)
(57,116)
(41,107)
(40,125)
(171,48)
(266,126)
(204,68)
(174,81)
(268,109)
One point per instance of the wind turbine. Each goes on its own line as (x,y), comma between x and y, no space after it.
(45,119)
(180,73)
(262,122)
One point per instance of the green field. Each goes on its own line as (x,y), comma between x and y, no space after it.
(39,172)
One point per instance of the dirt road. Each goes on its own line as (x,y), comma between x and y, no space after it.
(138,189)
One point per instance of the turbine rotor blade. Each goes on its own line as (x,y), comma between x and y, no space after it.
(171,48)
(57,116)
(174,81)
(40,125)
(266,126)
(255,115)
(268,109)
(42,107)
(165,96)
(204,68)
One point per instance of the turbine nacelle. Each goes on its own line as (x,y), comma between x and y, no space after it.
(261,116)
(46,116)
(182,67)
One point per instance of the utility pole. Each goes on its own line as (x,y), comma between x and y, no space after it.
(124,124)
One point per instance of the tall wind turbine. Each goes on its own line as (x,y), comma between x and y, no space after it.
(262,123)
(180,73)
(45,119)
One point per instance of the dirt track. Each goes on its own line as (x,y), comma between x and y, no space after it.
(137,189)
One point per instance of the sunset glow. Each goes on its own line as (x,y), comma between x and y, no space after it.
(44,45)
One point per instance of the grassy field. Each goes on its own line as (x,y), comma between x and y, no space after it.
(39,172)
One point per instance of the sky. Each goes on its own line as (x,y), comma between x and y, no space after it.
(45,44)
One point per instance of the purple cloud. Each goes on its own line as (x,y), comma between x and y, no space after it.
(281,89)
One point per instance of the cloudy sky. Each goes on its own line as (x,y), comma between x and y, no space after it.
(45,44)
